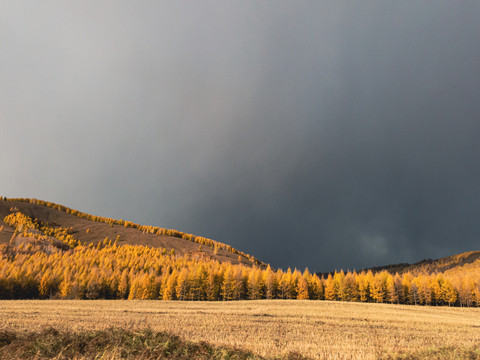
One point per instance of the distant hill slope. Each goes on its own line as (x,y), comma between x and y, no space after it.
(90,229)
(467,260)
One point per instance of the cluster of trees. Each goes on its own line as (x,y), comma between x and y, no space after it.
(109,271)
(455,288)
(40,231)
(144,228)
(138,272)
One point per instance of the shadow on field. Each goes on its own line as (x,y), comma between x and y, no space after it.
(114,343)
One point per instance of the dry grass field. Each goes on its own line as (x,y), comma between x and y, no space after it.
(314,329)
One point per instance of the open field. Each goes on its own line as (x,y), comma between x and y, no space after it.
(315,329)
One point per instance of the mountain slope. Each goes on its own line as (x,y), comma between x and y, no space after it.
(467,260)
(90,229)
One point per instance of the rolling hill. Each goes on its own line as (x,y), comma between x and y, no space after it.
(464,262)
(460,262)
(90,229)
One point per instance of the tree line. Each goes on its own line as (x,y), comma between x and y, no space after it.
(108,271)
(33,266)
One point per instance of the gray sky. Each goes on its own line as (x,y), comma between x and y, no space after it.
(327,134)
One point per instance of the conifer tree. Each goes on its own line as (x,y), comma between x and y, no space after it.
(255,285)
(123,286)
(379,289)
(228,286)
(45,285)
(302,289)
(317,289)
(476,296)
(150,288)
(283,285)
(65,288)
(413,294)
(213,286)
(449,293)
(348,289)
(171,284)
(270,281)
(392,294)
(240,290)
(397,280)
(330,288)
(136,288)
(182,284)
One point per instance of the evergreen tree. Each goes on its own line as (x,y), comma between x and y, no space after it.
(330,288)
(302,289)
(182,284)
(169,288)
(124,286)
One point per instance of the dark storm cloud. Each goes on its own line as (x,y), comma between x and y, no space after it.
(328,135)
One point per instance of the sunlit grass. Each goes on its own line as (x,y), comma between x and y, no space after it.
(314,329)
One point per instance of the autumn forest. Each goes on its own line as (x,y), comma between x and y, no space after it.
(44,261)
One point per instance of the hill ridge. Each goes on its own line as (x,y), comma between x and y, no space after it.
(430,266)
(145,229)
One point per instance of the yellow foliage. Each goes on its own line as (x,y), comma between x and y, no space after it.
(129,224)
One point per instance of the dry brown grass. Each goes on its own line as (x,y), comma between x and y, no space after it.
(315,329)
(112,344)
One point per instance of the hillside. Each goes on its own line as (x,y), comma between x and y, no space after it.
(51,251)
(463,262)
(467,260)
(90,229)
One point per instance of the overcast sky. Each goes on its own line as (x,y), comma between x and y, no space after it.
(327,134)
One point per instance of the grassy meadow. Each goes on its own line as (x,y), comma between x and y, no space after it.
(269,328)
